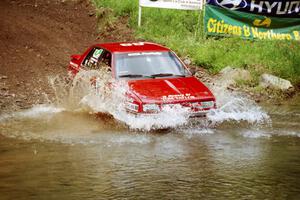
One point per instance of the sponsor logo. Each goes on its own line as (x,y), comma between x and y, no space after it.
(276,7)
(232,4)
(262,23)
(178,97)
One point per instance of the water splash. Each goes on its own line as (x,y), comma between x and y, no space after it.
(168,118)
(239,109)
(96,92)
(37,111)
(234,107)
(254,134)
(109,96)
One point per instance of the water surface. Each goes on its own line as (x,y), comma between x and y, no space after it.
(243,151)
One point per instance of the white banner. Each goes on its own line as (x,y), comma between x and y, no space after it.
(173,4)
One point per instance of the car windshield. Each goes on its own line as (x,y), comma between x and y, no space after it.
(148,64)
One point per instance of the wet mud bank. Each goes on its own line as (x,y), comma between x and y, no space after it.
(36,40)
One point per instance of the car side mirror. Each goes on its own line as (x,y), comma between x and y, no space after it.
(75,57)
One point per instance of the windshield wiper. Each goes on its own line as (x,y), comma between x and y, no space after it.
(166,74)
(161,75)
(131,75)
(151,76)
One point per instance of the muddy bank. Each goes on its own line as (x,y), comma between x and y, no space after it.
(36,40)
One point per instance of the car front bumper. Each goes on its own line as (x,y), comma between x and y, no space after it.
(193,114)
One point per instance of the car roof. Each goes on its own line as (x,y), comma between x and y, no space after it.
(118,47)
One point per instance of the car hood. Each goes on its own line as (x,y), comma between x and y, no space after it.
(170,90)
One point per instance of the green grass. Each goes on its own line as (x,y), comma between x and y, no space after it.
(177,29)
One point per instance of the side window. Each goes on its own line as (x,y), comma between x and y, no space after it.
(92,58)
(105,59)
(97,58)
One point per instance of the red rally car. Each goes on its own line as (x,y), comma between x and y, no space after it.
(156,77)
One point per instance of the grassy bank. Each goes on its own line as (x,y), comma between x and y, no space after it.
(182,32)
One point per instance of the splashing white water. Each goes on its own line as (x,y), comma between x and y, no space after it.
(235,107)
(109,96)
(168,118)
(239,109)
(113,103)
(255,134)
(35,112)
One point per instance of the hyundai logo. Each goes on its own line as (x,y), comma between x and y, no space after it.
(232,4)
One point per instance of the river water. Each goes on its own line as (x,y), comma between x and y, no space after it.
(242,151)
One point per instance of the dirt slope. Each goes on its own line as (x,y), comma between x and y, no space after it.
(36,39)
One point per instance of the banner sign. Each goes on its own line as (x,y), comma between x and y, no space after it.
(173,4)
(234,18)
(276,8)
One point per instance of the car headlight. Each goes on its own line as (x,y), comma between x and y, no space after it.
(151,108)
(203,104)
(207,104)
(132,106)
